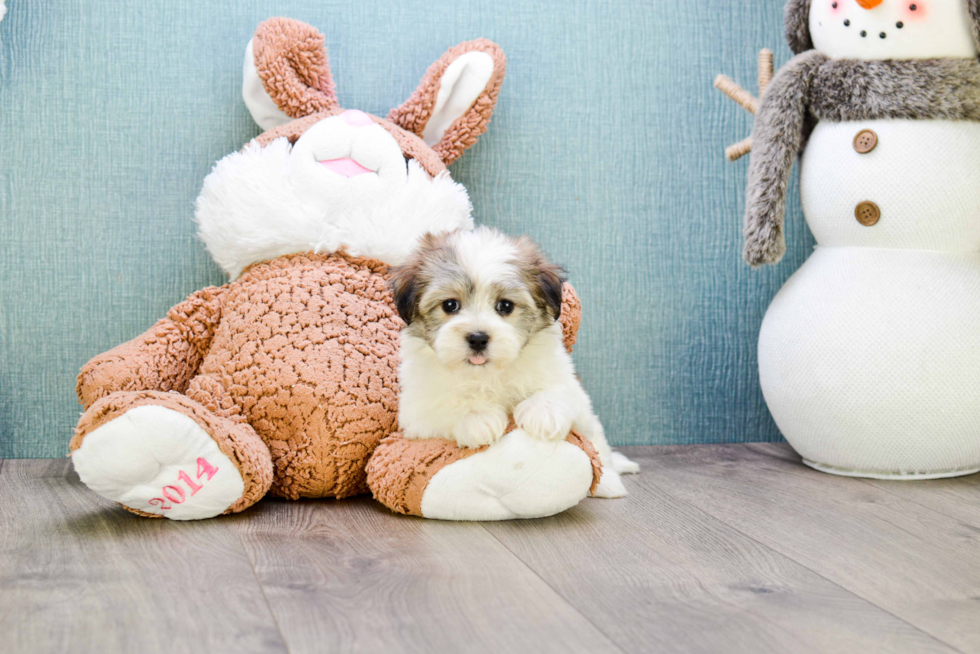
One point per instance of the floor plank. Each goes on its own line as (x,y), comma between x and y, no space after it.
(79,574)
(918,564)
(958,498)
(657,575)
(352,577)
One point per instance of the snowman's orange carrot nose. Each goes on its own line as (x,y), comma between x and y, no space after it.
(869,4)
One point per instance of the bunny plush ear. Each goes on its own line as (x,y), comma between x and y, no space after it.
(452,106)
(286,73)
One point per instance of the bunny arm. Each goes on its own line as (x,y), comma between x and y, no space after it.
(163,358)
(776,140)
(435,478)
(571,315)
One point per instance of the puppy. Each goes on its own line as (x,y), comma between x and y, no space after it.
(483,344)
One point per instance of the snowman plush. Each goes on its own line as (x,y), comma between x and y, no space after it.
(869,356)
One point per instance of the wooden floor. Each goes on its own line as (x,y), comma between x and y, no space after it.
(729,548)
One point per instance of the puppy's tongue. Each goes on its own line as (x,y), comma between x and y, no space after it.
(478,359)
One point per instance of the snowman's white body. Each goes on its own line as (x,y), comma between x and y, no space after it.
(869,356)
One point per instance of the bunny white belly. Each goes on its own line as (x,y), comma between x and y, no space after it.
(923,175)
(869,360)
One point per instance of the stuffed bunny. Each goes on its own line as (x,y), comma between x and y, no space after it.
(867,356)
(284,380)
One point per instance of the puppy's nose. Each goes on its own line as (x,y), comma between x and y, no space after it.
(478,340)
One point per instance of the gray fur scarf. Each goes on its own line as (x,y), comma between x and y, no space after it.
(812,87)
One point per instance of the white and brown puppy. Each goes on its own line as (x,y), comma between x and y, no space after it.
(483,343)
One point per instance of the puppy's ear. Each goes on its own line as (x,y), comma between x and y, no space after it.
(408,282)
(405,287)
(551,279)
(286,73)
(452,106)
(546,279)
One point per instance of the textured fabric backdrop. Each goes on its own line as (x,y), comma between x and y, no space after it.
(606,146)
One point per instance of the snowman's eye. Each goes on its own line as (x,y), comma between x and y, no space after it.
(913,7)
(834,5)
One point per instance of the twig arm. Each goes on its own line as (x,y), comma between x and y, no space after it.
(739,150)
(766,70)
(737,93)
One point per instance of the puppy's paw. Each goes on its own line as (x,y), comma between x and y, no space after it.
(544,418)
(479,429)
(622,465)
(610,485)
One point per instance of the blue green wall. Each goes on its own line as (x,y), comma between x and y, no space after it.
(606,146)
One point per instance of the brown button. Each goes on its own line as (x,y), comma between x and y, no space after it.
(865,141)
(867,213)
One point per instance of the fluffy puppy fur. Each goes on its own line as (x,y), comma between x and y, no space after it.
(483,344)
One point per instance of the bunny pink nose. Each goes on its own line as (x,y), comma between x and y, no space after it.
(357,118)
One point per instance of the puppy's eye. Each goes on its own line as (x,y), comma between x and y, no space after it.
(450,306)
(505,307)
